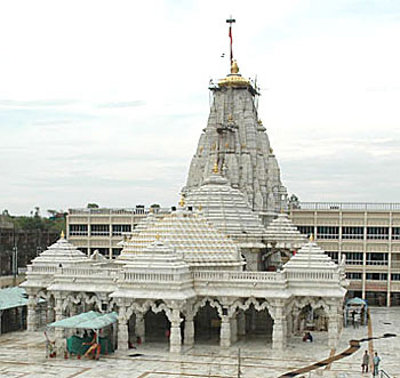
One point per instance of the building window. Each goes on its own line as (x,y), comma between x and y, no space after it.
(376,258)
(327,232)
(78,229)
(396,233)
(116,252)
(377,276)
(333,256)
(99,230)
(395,276)
(306,230)
(352,232)
(354,258)
(118,229)
(378,233)
(354,275)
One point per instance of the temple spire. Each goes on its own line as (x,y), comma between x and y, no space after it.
(230,21)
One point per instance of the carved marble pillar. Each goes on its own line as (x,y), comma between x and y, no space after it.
(123,331)
(50,313)
(32,318)
(241,323)
(234,329)
(175,338)
(189,331)
(225,332)
(59,332)
(139,326)
(279,332)
(333,330)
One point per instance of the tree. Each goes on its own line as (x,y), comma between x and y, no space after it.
(155,206)
(92,206)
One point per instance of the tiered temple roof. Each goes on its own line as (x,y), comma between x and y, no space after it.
(226,208)
(190,234)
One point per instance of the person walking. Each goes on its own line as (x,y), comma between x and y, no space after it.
(365,362)
(376,360)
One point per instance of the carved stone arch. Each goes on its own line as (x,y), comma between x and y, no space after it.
(212,302)
(259,305)
(112,305)
(82,297)
(149,304)
(301,302)
(44,294)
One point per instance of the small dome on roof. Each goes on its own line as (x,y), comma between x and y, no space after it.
(226,208)
(188,233)
(61,252)
(284,234)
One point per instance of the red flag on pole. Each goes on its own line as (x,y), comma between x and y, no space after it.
(230,37)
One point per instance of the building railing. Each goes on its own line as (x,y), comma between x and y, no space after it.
(114,211)
(89,272)
(238,276)
(41,269)
(366,206)
(313,276)
(154,277)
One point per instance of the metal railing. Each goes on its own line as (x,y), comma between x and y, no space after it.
(366,206)
(116,211)
(383,373)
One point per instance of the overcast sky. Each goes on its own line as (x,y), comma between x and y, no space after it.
(104,101)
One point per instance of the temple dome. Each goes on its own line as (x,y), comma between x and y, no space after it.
(282,233)
(311,256)
(190,234)
(61,252)
(226,208)
(234,79)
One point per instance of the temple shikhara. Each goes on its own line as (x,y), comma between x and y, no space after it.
(225,263)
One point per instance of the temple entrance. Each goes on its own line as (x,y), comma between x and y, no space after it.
(207,325)
(310,319)
(259,324)
(157,327)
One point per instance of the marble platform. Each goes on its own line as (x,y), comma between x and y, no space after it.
(22,354)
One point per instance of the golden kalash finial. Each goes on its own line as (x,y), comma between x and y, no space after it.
(260,122)
(158,237)
(215,168)
(234,67)
(182,201)
(230,118)
(200,208)
(311,237)
(62,235)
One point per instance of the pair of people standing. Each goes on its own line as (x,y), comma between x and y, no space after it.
(365,363)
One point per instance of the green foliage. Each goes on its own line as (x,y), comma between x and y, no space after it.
(36,222)
(92,206)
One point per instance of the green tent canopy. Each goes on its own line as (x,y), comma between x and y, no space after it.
(14,297)
(87,320)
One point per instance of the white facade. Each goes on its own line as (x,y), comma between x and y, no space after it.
(176,266)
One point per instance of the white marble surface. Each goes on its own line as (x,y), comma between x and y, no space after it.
(22,354)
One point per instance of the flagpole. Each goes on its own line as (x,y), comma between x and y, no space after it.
(230,21)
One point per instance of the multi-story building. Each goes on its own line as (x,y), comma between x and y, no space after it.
(368,234)
(102,229)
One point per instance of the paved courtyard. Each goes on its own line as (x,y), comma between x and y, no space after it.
(22,354)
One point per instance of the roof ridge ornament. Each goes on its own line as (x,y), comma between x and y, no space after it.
(215,168)
(62,235)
